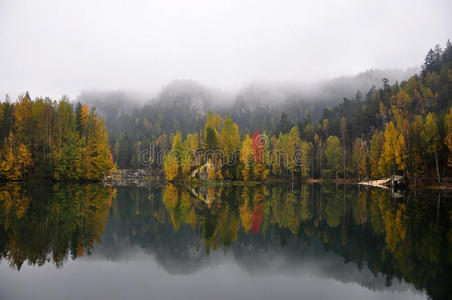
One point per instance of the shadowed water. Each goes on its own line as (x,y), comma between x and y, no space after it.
(263,242)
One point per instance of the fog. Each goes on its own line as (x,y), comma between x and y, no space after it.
(51,47)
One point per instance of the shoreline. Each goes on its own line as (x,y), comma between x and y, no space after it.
(141,176)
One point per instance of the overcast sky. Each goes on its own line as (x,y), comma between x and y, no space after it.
(53,47)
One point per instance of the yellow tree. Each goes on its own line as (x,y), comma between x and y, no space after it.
(24,160)
(401,153)
(211,170)
(190,158)
(99,161)
(8,167)
(172,160)
(170,166)
(390,146)
(171,200)
(246,157)
(260,172)
(293,145)
(193,141)
(16,159)
(213,121)
(186,157)
(81,119)
(229,139)
(333,154)
(245,210)
(398,105)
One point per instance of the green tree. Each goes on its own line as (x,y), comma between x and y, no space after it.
(67,146)
(211,139)
(333,154)
(448,138)
(344,144)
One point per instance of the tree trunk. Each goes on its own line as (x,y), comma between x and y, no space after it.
(343,159)
(321,171)
(359,158)
(312,164)
(437,168)
(335,169)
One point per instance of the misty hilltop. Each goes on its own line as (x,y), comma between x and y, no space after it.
(181,103)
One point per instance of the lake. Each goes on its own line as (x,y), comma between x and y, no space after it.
(263,242)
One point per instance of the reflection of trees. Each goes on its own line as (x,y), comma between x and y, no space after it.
(333,209)
(400,238)
(407,238)
(245,210)
(40,223)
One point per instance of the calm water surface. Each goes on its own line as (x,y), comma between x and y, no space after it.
(264,242)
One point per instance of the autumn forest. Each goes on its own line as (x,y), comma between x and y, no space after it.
(52,140)
(404,128)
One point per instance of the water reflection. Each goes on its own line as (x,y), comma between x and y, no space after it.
(45,223)
(348,233)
